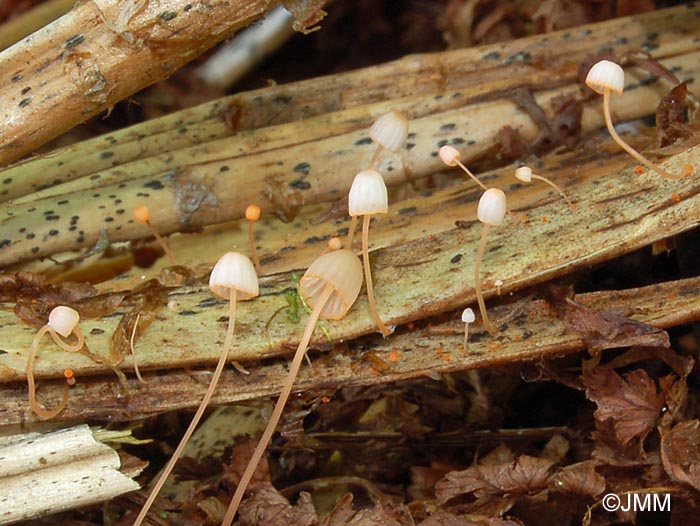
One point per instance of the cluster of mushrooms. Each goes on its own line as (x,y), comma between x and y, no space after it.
(333,281)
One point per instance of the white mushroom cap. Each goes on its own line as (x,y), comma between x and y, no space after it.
(234,271)
(390,130)
(606,75)
(368,194)
(524,174)
(64,320)
(449,155)
(342,270)
(492,207)
(468,315)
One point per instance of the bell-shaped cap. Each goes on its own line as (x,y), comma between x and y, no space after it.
(449,155)
(342,270)
(368,194)
(234,271)
(606,75)
(492,207)
(64,320)
(524,174)
(390,130)
(468,315)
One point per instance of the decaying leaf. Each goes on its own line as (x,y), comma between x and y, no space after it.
(266,505)
(580,478)
(603,330)
(670,116)
(680,452)
(496,482)
(631,402)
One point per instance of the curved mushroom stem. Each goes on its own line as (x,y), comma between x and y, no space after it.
(163,244)
(42,413)
(279,407)
(197,416)
(482,185)
(368,276)
(351,232)
(634,153)
(477,282)
(554,185)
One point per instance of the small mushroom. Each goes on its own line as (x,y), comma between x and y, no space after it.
(389,131)
(233,278)
(143,215)
(330,286)
(63,321)
(252,214)
(604,78)
(491,211)
(451,157)
(368,197)
(524,174)
(467,318)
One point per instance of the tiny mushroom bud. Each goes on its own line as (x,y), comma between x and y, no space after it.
(143,215)
(491,211)
(524,174)
(330,286)
(233,278)
(467,318)
(451,157)
(252,214)
(389,131)
(368,197)
(63,321)
(606,77)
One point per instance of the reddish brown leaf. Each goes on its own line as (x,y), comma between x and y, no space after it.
(496,483)
(670,116)
(443,518)
(632,402)
(580,478)
(267,506)
(380,515)
(680,452)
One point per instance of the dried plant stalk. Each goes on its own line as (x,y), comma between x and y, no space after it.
(416,278)
(43,474)
(537,336)
(204,185)
(664,32)
(100,53)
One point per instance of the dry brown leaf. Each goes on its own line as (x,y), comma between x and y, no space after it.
(495,485)
(381,515)
(670,116)
(267,506)
(580,478)
(632,403)
(680,452)
(609,330)
(444,518)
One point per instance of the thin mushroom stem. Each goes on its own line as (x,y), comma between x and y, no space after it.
(634,153)
(42,413)
(368,276)
(163,244)
(477,281)
(351,232)
(474,177)
(253,249)
(279,407)
(554,185)
(375,156)
(198,415)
